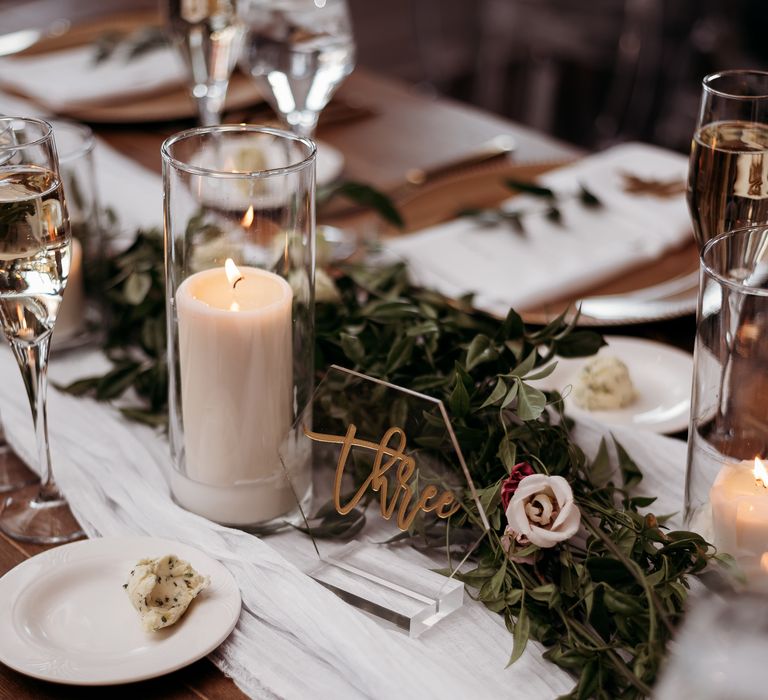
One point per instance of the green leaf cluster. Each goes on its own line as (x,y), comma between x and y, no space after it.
(135,332)
(514,218)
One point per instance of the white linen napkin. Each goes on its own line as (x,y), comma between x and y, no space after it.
(552,260)
(66,78)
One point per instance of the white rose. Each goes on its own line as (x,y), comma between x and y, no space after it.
(542,511)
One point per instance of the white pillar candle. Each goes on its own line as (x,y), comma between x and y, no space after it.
(71,316)
(739,499)
(236,365)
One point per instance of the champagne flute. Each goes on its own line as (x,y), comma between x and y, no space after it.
(728,174)
(298,52)
(208,34)
(35,247)
(13,474)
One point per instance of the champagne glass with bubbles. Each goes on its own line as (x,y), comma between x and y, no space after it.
(35,249)
(728,174)
(13,474)
(208,35)
(298,52)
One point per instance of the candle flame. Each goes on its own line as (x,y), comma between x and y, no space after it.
(760,473)
(247,219)
(764,562)
(233,272)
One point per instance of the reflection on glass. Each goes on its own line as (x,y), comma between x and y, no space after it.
(208,35)
(298,52)
(728,176)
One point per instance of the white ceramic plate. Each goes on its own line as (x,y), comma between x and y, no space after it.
(329,165)
(64,615)
(661,374)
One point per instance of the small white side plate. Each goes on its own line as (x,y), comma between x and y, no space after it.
(65,617)
(662,376)
(329,164)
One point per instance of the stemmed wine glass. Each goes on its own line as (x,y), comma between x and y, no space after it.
(298,52)
(208,35)
(13,474)
(728,190)
(728,174)
(35,248)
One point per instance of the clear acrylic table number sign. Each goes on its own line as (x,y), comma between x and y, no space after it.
(392,453)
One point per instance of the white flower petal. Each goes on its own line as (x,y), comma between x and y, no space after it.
(544,538)
(530,485)
(540,508)
(517,518)
(562,489)
(569,525)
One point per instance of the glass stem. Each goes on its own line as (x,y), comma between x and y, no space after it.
(303,123)
(210,102)
(33,363)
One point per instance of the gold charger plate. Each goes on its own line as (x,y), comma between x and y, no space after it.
(484,187)
(165,104)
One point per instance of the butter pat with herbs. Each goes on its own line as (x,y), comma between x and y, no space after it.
(604,384)
(161,590)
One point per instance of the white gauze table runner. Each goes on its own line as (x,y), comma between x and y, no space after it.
(294,638)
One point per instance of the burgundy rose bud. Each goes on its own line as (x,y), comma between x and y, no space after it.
(510,484)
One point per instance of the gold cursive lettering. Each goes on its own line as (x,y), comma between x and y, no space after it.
(443,504)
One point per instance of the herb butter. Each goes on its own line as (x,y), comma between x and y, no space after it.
(603,385)
(161,590)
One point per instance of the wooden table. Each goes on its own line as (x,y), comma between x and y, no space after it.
(406,130)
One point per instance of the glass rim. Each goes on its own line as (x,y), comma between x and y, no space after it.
(89,140)
(708,270)
(45,125)
(708,79)
(165,151)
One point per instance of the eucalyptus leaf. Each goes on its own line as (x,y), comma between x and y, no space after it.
(531,402)
(458,401)
(542,373)
(529,188)
(600,471)
(480,350)
(497,394)
(365,196)
(520,634)
(136,288)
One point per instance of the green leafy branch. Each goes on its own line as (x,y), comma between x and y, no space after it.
(514,218)
(605,603)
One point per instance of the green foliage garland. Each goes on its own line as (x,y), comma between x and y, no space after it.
(605,604)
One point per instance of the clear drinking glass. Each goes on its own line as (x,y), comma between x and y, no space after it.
(240,256)
(298,52)
(75,144)
(728,174)
(726,494)
(35,249)
(208,35)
